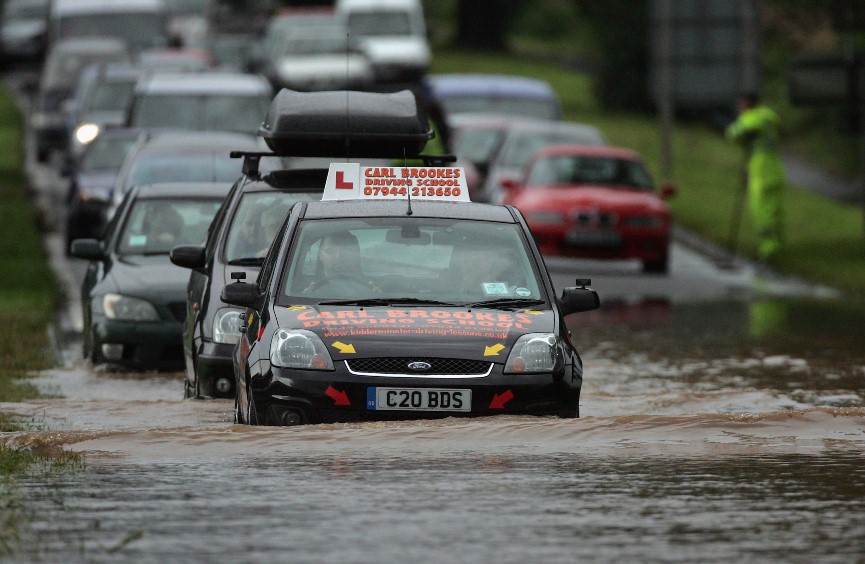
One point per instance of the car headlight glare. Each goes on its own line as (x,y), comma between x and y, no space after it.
(86,132)
(533,353)
(126,308)
(226,326)
(299,348)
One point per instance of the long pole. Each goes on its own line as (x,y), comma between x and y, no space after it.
(665,88)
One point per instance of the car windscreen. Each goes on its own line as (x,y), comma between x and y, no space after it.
(105,153)
(112,96)
(24,11)
(236,113)
(379,23)
(155,226)
(479,146)
(316,41)
(258,217)
(511,106)
(583,169)
(406,258)
(518,149)
(139,30)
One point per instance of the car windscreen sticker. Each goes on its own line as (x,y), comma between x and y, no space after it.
(137,240)
(350,181)
(523,292)
(495,288)
(345,324)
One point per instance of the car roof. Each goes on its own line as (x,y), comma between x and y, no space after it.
(71,7)
(204,82)
(181,189)
(196,140)
(468,84)
(113,70)
(89,45)
(589,151)
(375,4)
(420,209)
(523,126)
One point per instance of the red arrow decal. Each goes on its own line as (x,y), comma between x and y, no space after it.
(499,401)
(341,184)
(339,398)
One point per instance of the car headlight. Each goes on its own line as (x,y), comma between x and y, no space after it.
(126,308)
(545,218)
(298,348)
(226,326)
(86,132)
(535,352)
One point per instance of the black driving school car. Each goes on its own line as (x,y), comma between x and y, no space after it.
(395,297)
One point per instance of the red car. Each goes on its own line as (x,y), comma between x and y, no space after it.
(594,202)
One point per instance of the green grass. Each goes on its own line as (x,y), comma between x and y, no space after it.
(28,302)
(28,295)
(825,242)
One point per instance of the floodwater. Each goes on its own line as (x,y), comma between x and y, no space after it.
(722,432)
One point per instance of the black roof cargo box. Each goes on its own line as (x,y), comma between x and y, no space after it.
(345,123)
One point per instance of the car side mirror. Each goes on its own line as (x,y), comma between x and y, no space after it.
(579,298)
(87,249)
(668,191)
(242,294)
(188,256)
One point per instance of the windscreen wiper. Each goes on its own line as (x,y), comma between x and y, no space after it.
(249,261)
(507,303)
(387,302)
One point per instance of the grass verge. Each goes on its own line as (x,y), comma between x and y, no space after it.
(825,242)
(28,299)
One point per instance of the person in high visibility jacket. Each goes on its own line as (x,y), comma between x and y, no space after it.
(756,130)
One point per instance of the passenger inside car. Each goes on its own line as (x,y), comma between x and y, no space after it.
(338,257)
(483,270)
(163,225)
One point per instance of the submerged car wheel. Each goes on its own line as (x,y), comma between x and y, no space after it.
(253,416)
(238,413)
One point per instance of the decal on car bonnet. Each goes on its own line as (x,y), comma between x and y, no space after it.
(354,322)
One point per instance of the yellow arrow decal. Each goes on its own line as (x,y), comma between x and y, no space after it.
(296,308)
(493,350)
(343,348)
(532,312)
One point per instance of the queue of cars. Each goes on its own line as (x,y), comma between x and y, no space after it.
(311,290)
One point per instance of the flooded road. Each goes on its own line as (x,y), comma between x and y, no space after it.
(711,431)
(721,421)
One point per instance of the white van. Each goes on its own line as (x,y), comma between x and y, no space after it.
(392,34)
(143,24)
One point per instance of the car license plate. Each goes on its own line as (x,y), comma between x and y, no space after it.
(604,239)
(418,399)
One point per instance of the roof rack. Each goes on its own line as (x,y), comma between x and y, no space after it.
(251,162)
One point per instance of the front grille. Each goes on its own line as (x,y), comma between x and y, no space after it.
(178,310)
(438,366)
(593,218)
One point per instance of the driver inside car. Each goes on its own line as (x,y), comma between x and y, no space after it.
(339,263)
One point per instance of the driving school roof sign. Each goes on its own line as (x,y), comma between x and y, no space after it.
(350,181)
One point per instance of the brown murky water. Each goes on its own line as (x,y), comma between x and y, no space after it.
(722,432)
